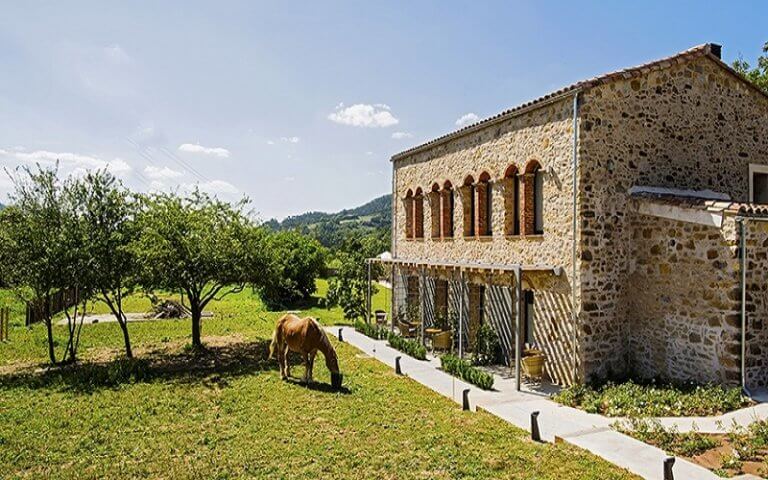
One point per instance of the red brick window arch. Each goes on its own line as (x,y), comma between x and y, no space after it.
(408,206)
(418,214)
(468,206)
(434,210)
(484,205)
(511,184)
(447,207)
(532,205)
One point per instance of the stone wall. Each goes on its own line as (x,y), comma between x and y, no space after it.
(543,135)
(757,303)
(690,126)
(682,300)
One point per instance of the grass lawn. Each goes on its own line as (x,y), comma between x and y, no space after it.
(226,414)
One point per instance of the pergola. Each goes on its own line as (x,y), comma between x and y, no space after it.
(463,269)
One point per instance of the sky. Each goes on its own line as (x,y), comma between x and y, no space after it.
(300,105)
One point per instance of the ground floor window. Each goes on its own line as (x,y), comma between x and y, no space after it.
(412,298)
(758,183)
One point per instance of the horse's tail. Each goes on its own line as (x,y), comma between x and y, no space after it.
(275,339)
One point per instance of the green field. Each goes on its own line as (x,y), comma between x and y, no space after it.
(225,413)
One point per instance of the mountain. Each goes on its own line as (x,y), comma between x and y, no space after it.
(331,228)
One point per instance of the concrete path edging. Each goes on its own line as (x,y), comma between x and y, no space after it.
(589,431)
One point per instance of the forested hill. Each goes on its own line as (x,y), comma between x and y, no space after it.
(331,228)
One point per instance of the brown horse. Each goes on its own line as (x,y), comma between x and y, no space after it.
(305,336)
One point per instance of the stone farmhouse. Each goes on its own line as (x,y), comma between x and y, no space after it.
(619,224)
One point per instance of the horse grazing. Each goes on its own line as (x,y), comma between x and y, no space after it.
(305,336)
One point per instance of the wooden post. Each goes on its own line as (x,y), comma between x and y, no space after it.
(518,325)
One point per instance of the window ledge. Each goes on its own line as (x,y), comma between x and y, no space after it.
(535,236)
(468,238)
(485,238)
(514,237)
(447,239)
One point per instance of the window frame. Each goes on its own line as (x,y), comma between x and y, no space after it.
(753,169)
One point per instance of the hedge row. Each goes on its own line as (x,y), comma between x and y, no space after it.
(409,347)
(465,371)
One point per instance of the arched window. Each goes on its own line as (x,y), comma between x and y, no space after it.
(511,201)
(408,205)
(533,199)
(418,214)
(484,205)
(446,205)
(468,205)
(434,210)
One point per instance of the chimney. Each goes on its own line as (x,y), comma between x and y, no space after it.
(716,49)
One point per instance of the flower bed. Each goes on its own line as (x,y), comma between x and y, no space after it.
(741,450)
(464,370)
(654,400)
(409,347)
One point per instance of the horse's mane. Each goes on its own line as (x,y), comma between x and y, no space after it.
(323,337)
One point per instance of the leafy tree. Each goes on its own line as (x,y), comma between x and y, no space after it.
(757,75)
(107,212)
(43,250)
(349,288)
(295,262)
(199,246)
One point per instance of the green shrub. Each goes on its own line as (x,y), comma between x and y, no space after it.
(656,400)
(464,370)
(488,346)
(409,347)
(670,440)
(374,331)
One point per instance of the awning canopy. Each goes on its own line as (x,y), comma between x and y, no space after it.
(469,266)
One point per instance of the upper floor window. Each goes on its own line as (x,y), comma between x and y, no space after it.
(408,205)
(758,183)
(468,204)
(418,214)
(447,206)
(533,199)
(484,209)
(511,201)
(434,210)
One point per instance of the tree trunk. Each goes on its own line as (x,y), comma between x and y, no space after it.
(124,327)
(51,352)
(196,314)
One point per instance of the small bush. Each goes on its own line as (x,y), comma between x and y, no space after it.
(670,440)
(464,370)
(409,347)
(655,400)
(374,331)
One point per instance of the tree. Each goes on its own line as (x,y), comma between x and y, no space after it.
(349,288)
(757,75)
(295,261)
(199,246)
(107,212)
(42,250)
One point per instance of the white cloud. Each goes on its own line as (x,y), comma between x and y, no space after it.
(116,54)
(270,142)
(290,139)
(401,135)
(197,148)
(157,173)
(363,115)
(369,153)
(77,162)
(467,119)
(214,187)
(289,179)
